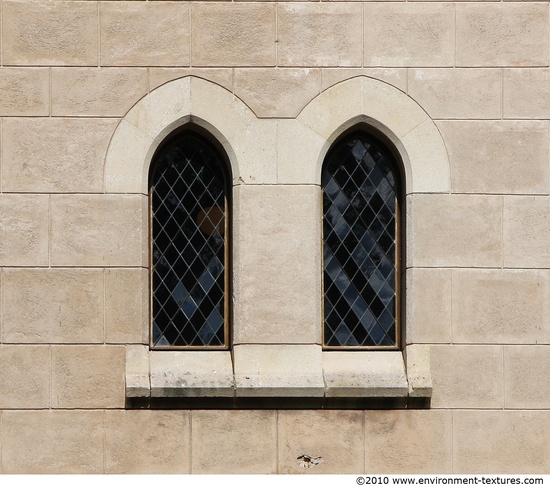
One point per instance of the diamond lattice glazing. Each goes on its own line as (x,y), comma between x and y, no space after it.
(188,218)
(359,225)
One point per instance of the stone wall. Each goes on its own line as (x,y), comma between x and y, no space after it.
(74,251)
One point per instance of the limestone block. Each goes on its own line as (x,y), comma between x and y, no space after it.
(408,442)
(278,370)
(49,33)
(272,92)
(428,310)
(55,154)
(501,442)
(527,377)
(126,306)
(364,374)
(277,288)
(24,377)
(240,34)
(221,76)
(127,38)
(256,147)
(335,436)
(52,442)
(234,441)
(97,230)
(526,93)
(419,374)
(526,229)
(506,34)
(87,376)
(52,305)
(137,375)
(24,229)
(427,167)
(191,374)
(408,34)
(319,34)
(454,230)
(147,442)
(127,151)
(467,376)
(501,306)
(155,114)
(447,92)
(298,150)
(490,157)
(24,92)
(105,92)
(394,76)
(334,107)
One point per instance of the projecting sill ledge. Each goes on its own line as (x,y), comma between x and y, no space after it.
(299,371)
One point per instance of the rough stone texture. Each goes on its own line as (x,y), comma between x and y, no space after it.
(467,376)
(408,442)
(52,305)
(526,228)
(527,377)
(278,370)
(408,34)
(126,306)
(319,34)
(428,309)
(335,436)
(270,310)
(501,306)
(526,93)
(226,34)
(221,76)
(138,371)
(106,92)
(52,442)
(127,38)
(394,76)
(49,33)
(419,374)
(87,376)
(277,92)
(191,374)
(512,34)
(298,149)
(54,155)
(24,377)
(234,442)
(454,230)
(24,225)
(364,374)
(24,92)
(501,442)
(490,157)
(110,230)
(447,92)
(146,442)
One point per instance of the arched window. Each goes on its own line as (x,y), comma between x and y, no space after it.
(361,192)
(189,189)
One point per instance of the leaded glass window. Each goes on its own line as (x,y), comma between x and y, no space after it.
(360,235)
(188,193)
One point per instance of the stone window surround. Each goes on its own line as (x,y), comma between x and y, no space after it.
(278,370)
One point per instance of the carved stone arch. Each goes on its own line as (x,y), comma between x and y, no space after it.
(390,112)
(165,109)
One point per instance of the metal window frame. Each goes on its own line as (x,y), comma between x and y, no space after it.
(216,147)
(396,169)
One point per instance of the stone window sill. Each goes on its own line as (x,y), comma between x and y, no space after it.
(301,371)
